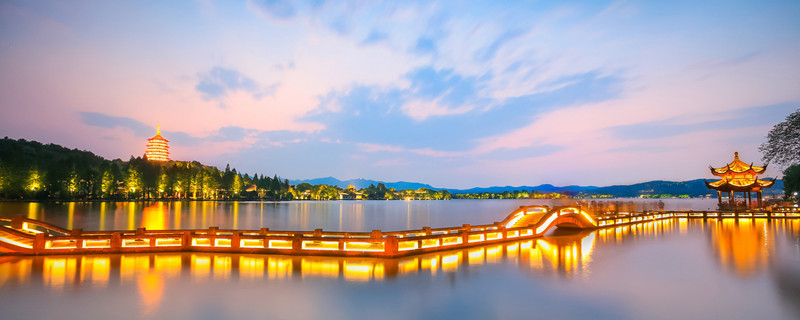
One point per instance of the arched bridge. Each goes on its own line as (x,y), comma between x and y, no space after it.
(542,218)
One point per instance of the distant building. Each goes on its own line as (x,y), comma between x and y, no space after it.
(738,176)
(157,147)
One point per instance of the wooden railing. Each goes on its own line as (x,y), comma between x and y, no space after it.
(26,236)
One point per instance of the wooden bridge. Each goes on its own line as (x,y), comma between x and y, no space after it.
(22,236)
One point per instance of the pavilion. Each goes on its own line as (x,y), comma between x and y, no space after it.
(738,176)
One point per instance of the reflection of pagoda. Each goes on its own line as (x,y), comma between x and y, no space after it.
(157,147)
(738,176)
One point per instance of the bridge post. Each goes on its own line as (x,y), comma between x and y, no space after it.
(297,243)
(186,240)
(17,221)
(236,240)
(390,246)
(467,227)
(140,231)
(464,236)
(317,232)
(376,234)
(212,239)
(427,230)
(116,241)
(39,242)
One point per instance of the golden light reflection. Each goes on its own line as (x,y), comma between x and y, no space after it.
(70,215)
(320,267)
(33,210)
(131,216)
(743,247)
(15,271)
(154,217)
(103,216)
(133,265)
(251,268)
(151,290)
(279,268)
(59,272)
(95,269)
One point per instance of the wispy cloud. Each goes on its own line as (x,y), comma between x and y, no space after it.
(465,93)
(219,81)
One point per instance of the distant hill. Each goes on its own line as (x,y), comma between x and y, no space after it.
(543,188)
(692,188)
(363,183)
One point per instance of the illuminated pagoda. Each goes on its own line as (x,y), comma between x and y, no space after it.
(738,176)
(157,147)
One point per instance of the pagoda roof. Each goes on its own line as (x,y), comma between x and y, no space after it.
(740,184)
(158,135)
(737,166)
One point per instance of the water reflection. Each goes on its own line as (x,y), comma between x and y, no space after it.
(352,216)
(154,217)
(562,255)
(744,247)
(581,261)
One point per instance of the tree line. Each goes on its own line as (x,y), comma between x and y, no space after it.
(516,194)
(30,170)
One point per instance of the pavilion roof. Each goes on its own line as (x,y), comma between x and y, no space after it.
(740,184)
(737,166)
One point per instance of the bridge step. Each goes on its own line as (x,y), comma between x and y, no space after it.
(529,220)
(4,235)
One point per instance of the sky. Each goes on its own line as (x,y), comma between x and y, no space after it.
(455,94)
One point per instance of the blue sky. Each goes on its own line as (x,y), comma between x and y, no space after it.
(450,93)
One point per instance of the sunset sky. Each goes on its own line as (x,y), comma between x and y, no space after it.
(454,94)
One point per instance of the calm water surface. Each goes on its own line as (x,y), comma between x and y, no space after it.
(657,270)
(353,216)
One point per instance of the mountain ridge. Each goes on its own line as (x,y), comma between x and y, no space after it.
(692,188)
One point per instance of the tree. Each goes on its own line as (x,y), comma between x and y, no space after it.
(236,186)
(791,182)
(163,183)
(107,183)
(34,182)
(72,182)
(134,180)
(783,142)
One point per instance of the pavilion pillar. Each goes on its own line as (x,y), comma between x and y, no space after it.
(719,197)
(749,199)
(730,198)
(758,195)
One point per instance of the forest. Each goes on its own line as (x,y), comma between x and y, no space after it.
(30,170)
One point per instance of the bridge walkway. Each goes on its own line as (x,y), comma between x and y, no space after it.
(24,236)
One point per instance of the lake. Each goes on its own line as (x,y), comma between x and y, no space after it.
(658,270)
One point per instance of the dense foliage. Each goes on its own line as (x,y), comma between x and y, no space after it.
(791,182)
(31,170)
(783,142)
(516,194)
